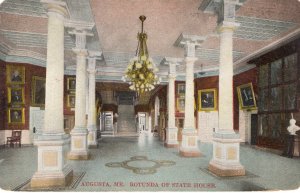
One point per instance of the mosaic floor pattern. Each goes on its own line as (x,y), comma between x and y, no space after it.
(141,164)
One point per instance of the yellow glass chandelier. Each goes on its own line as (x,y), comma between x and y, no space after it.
(140,72)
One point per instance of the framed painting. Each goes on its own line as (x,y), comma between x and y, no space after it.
(15,74)
(38,91)
(181,89)
(71,83)
(180,104)
(71,100)
(16,96)
(246,97)
(207,99)
(16,115)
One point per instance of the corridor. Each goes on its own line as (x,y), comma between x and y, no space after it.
(142,163)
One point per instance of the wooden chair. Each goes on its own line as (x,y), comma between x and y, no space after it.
(14,139)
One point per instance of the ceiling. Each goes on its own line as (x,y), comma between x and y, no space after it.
(263,24)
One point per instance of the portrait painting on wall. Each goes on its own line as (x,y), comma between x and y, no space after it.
(246,96)
(71,83)
(181,89)
(16,116)
(15,74)
(180,104)
(207,99)
(71,101)
(38,91)
(15,95)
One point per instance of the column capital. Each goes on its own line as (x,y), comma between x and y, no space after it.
(172,76)
(189,43)
(172,63)
(224,9)
(80,52)
(58,7)
(80,37)
(227,26)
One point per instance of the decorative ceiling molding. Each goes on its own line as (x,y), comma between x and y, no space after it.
(24,7)
(252,28)
(33,39)
(80,10)
(213,55)
(275,44)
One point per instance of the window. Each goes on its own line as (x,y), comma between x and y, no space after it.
(277,95)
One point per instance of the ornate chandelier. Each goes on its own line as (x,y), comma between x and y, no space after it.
(140,72)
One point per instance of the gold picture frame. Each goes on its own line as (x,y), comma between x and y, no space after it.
(207,99)
(180,104)
(15,74)
(38,87)
(181,89)
(15,96)
(71,83)
(246,97)
(71,100)
(16,116)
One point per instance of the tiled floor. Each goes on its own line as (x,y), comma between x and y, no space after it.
(265,171)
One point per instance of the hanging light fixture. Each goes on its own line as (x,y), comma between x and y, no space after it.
(140,72)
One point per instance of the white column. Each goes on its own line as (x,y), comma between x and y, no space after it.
(79,133)
(172,130)
(226,143)
(53,143)
(189,120)
(92,136)
(171,101)
(189,144)
(225,81)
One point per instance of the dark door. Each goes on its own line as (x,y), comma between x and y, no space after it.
(254,127)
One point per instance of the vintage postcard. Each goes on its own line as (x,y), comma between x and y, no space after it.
(149,95)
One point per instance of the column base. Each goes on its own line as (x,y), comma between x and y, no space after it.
(53,171)
(79,149)
(78,156)
(189,144)
(171,138)
(219,170)
(171,145)
(93,146)
(189,153)
(226,160)
(52,179)
(92,137)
